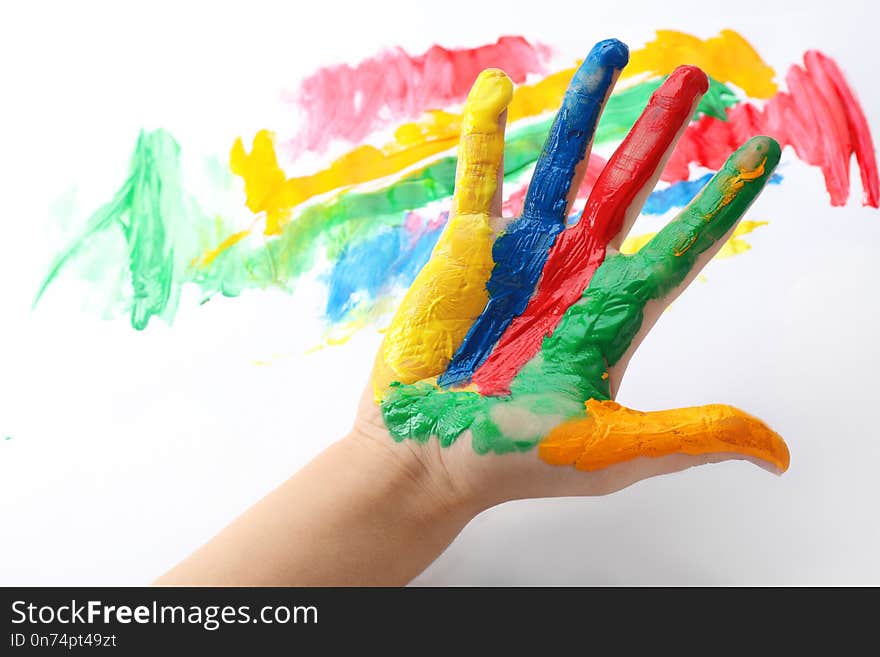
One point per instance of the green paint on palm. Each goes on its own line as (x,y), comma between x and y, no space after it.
(594,333)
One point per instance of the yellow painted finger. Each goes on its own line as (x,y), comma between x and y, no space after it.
(450,291)
(612,433)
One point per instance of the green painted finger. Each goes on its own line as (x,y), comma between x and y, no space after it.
(670,255)
(596,332)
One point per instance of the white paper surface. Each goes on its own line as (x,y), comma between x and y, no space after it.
(127,450)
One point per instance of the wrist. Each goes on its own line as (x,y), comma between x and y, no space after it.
(414,475)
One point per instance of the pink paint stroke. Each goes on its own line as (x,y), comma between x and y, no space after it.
(349,102)
(819,117)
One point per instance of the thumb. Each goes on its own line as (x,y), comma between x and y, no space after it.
(612,434)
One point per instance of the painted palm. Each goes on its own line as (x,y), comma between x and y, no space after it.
(519,331)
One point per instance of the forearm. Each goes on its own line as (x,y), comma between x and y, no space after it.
(363,512)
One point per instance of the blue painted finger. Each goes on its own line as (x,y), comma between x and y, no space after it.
(520,253)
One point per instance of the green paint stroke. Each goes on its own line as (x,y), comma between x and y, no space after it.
(593,334)
(156,219)
(624,107)
(164,229)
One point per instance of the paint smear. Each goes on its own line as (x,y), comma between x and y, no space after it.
(734,246)
(153,214)
(819,117)
(152,237)
(270,192)
(678,195)
(395,85)
(727,57)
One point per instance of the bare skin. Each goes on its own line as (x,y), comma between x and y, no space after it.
(332,523)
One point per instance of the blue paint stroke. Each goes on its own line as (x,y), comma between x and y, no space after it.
(370,269)
(520,253)
(681,193)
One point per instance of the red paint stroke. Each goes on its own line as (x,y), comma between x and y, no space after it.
(819,117)
(580,250)
(513,206)
(349,102)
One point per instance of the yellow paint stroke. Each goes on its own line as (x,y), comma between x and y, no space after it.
(736,245)
(265,184)
(727,57)
(210,256)
(268,190)
(733,246)
(612,433)
(542,97)
(356,320)
(450,290)
(634,243)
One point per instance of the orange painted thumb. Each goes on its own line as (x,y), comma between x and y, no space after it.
(612,433)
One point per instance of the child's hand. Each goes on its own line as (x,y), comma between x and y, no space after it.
(503,358)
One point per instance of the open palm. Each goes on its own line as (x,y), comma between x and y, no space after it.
(517,332)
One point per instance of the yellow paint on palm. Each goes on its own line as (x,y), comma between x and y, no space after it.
(612,433)
(727,57)
(450,291)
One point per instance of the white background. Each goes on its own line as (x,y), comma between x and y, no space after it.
(129,449)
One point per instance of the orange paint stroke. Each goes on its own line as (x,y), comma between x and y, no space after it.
(730,187)
(733,184)
(612,433)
